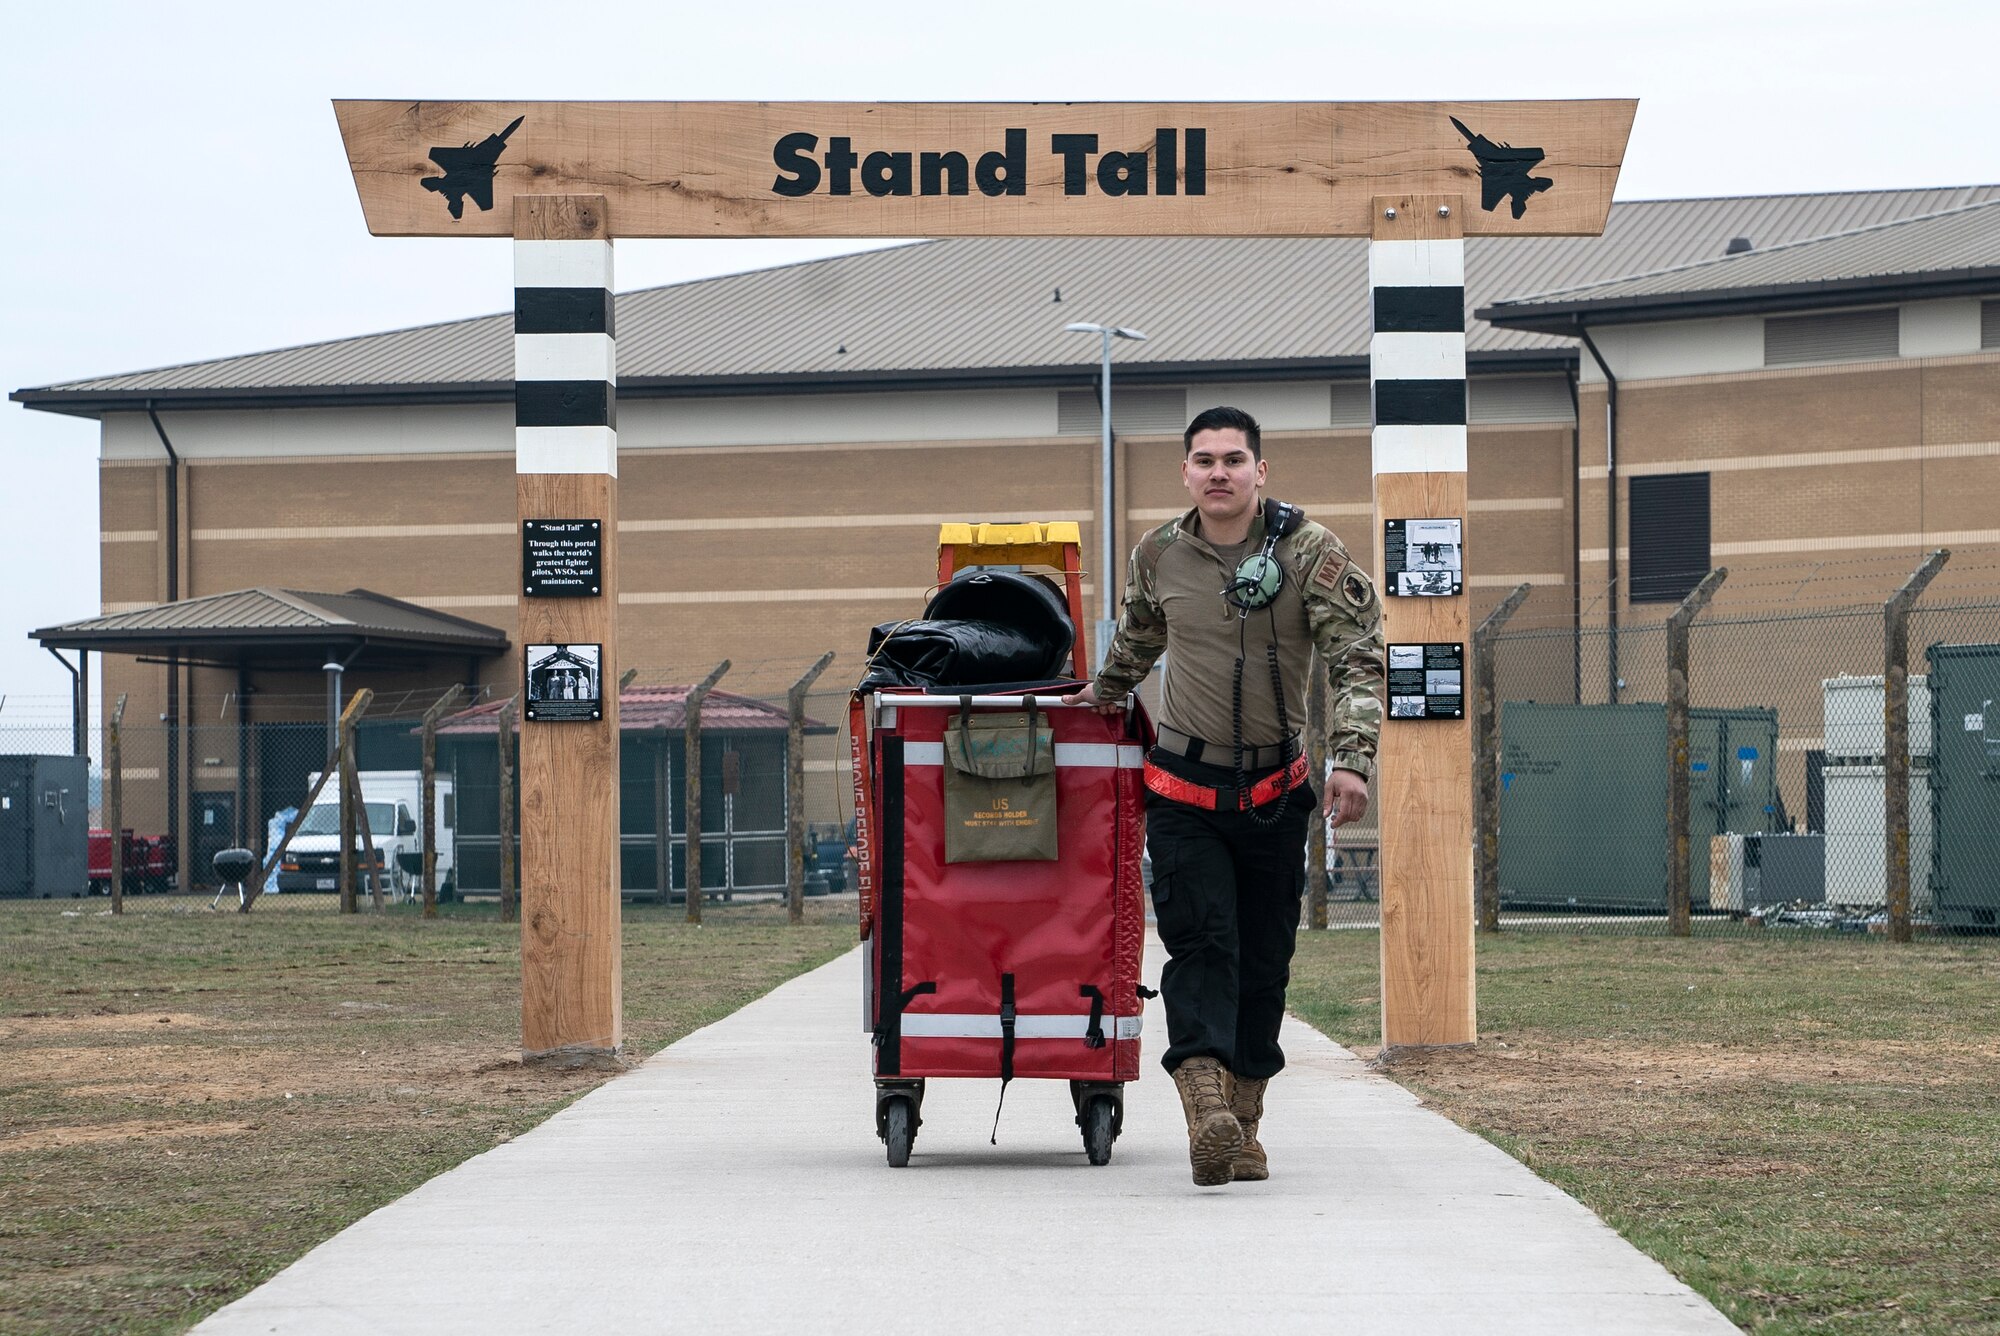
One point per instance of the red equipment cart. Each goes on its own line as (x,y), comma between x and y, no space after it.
(1021,968)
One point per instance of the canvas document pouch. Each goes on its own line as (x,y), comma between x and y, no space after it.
(999,788)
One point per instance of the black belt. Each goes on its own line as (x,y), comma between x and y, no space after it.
(1191,748)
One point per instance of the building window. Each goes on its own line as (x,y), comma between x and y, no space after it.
(1351,405)
(1669,536)
(1134,411)
(1841,336)
(1519,399)
(1989,324)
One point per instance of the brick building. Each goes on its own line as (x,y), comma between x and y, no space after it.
(1794,375)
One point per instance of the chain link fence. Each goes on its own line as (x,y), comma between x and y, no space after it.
(1786,760)
(187,792)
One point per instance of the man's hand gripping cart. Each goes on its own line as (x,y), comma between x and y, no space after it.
(982,962)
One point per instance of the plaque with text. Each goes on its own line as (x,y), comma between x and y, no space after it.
(1423,558)
(565,682)
(1427,681)
(562,558)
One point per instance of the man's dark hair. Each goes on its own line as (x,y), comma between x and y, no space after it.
(1222,419)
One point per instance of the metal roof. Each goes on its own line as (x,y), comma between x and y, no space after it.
(262,622)
(983,310)
(1934,254)
(642,709)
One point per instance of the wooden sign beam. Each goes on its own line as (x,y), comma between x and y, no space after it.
(853,169)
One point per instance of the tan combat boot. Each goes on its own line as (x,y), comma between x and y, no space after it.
(1214,1137)
(1246,1101)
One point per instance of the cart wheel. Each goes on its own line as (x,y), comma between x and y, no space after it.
(898,1130)
(1100,1128)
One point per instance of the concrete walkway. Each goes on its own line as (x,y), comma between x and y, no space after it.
(734,1184)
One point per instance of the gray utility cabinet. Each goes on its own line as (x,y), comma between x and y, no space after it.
(44,826)
(1965,785)
(1583,801)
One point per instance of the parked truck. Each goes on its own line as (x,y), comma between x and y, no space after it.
(392,799)
(150,865)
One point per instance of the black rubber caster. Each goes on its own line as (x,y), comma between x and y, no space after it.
(899,1129)
(1100,1128)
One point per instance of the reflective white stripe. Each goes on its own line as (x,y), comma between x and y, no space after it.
(566,450)
(1436,449)
(567,357)
(982,1025)
(1409,356)
(562,264)
(1012,702)
(1416,264)
(1106,754)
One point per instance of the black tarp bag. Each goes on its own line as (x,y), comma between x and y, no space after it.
(984,627)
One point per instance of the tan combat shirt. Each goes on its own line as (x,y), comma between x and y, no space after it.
(1173,601)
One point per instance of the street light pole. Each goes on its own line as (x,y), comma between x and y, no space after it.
(1107,579)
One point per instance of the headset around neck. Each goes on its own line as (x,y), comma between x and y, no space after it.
(1260,576)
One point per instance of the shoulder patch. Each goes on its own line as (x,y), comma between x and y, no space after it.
(1329,572)
(1354,589)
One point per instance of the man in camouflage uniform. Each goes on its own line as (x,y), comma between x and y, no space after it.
(1228,871)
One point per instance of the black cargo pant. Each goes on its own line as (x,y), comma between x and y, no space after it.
(1226,893)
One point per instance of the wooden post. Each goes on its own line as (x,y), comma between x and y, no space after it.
(1486,766)
(1896,737)
(1679,913)
(566,468)
(1416,264)
(795,790)
(116,761)
(370,866)
(691,735)
(429,819)
(1316,847)
(508,912)
(346,796)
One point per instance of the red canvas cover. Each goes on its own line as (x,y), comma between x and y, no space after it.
(947,935)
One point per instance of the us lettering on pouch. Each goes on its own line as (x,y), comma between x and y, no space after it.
(1176,164)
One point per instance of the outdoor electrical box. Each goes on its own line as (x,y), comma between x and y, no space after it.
(44,826)
(1583,800)
(1965,786)
(1854,787)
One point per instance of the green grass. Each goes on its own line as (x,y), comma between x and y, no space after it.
(309,1069)
(1807,1132)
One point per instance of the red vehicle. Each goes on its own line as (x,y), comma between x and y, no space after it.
(149,862)
(1023,967)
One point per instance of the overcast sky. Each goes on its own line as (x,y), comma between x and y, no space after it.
(176,188)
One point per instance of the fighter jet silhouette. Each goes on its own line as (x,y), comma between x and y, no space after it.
(468,170)
(1503,171)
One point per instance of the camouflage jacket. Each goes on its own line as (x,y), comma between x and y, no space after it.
(1173,601)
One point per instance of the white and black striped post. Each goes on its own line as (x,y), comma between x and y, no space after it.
(566,469)
(1416,365)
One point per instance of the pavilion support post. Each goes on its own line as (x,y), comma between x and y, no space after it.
(566,468)
(1416,274)
(691,747)
(795,790)
(115,818)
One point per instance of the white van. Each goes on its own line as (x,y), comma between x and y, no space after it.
(392,799)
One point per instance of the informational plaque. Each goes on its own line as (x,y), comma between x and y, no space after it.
(1423,558)
(565,682)
(1427,681)
(562,558)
